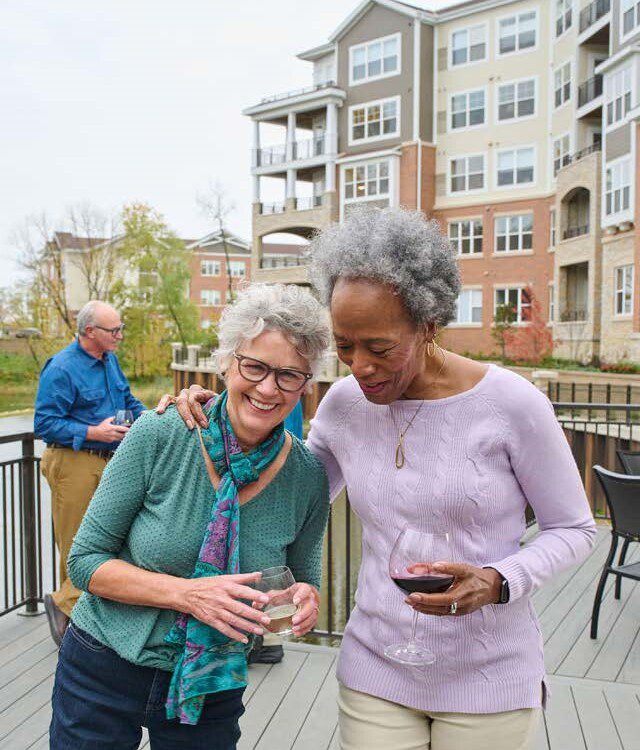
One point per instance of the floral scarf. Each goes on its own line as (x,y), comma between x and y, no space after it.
(211,662)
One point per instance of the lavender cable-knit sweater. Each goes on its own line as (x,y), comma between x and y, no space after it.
(473,460)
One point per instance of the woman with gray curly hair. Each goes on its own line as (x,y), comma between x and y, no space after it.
(432,443)
(179,529)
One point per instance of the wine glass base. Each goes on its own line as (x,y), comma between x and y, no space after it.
(414,654)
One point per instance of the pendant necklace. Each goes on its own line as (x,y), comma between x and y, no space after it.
(401,433)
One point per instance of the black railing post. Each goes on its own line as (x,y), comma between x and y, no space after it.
(29,530)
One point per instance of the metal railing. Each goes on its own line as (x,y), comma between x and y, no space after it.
(267,209)
(571,232)
(310,147)
(573,158)
(297,92)
(27,531)
(589,90)
(593,12)
(266,157)
(577,315)
(289,262)
(304,204)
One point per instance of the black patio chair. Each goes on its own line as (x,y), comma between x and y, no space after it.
(630,462)
(622,493)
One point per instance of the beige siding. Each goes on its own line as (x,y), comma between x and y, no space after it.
(618,142)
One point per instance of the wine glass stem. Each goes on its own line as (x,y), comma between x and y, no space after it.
(411,646)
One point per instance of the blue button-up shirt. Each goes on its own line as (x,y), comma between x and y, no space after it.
(77,390)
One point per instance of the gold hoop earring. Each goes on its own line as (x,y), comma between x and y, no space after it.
(431,348)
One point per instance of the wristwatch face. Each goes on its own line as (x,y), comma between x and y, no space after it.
(504,591)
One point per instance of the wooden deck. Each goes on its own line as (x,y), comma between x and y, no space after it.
(595,703)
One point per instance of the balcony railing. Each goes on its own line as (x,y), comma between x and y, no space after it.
(571,232)
(564,161)
(589,90)
(305,149)
(310,147)
(577,315)
(593,12)
(289,262)
(266,157)
(272,208)
(304,204)
(298,92)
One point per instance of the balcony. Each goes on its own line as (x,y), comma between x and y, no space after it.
(589,90)
(291,261)
(266,209)
(568,159)
(571,232)
(306,204)
(593,12)
(309,148)
(577,315)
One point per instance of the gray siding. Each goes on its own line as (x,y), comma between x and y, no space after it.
(377,22)
(618,142)
(426,83)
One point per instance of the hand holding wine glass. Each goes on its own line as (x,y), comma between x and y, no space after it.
(124,417)
(280,586)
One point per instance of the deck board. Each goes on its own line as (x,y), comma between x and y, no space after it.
(595,685)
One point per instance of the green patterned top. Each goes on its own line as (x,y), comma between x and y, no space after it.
(151,509)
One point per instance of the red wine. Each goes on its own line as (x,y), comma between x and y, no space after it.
(423,584)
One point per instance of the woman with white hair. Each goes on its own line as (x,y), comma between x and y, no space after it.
(179,528)
(427,439)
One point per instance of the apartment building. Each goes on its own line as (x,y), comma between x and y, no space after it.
(511,122)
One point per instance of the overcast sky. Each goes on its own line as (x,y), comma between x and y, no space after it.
(111,101)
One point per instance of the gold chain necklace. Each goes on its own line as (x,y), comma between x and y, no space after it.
(402,433)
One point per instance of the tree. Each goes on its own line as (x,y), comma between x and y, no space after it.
(215,207)
(533,342)
(503,323)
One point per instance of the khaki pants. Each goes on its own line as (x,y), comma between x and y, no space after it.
(369,723)
(73,477)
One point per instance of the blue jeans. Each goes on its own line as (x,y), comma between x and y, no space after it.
(101,702)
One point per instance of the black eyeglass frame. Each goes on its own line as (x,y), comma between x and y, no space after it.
(113,331)
(276,370)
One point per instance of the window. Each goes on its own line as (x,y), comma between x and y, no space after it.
(467,173)
(517,99)
(630,16)
(467,109)
(517,33)
(618,95)
(552,228)
(516,166)
(379,58)
(469,306)
(561,152)
(617,187)
(552,303)
(375,120)
(209,268)
(563,16)
(518,299)
(514,233)
(237,268)
(366,181)
(468,45)
(209,297)
(562,84)
(466,236)
(624,290)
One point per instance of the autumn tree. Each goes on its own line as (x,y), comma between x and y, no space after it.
(532,342)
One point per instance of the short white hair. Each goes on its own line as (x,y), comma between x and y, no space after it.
(287,308)
(87,315)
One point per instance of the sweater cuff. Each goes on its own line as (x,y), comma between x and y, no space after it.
(520,583)
(79,432)
(82,567)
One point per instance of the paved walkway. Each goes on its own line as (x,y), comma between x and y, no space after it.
(595,685)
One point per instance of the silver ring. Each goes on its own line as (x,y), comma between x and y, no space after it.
(453,608)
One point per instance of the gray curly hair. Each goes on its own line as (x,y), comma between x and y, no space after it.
(395,247)
(290,309)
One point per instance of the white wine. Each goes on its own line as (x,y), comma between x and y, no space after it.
(281,618)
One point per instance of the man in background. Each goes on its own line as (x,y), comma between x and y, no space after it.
(81,388)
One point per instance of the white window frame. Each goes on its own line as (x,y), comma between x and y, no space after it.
(473,291)
(624,213)
(366,45)
(467,191)
(519,234)
(562,14)
(373,197)
(515,149)
(374,103)
(215,264)
(625,6)
(472,236)
(515,84)
(205,302)
(558,69)
(619,291)
(612,95)
(468,29)
(235,266)
(519,306)
(553,228)
(551,312)
(563,156)
(467,110)
(517,50)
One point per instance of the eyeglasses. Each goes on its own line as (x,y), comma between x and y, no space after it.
(287,379)
(113,331)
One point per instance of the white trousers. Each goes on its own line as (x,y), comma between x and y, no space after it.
(370,723)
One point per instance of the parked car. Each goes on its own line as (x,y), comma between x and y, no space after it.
(28,333)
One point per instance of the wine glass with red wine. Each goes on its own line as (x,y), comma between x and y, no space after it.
(410,569)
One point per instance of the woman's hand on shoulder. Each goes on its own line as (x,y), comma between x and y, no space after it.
(472,588)
(217,601)
(188,403)
(307,599)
